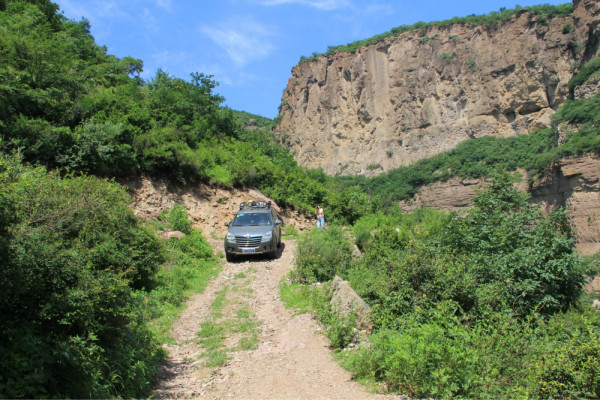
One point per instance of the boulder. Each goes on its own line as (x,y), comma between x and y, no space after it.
(346,301)
(173,234)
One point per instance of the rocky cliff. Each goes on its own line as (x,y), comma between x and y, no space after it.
(573,183)
(415,95)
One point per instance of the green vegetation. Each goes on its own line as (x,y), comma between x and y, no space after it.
(587,71)
(447,56)
(568,28)
(82,281)
(372,167)
(543,12)
(480,305)
(81,111)
(251,121)
(483,305)
(90,292)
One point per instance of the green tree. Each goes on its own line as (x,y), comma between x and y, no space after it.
(522,258)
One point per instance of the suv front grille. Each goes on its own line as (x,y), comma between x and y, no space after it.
(252,241)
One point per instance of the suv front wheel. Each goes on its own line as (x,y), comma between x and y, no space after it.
(229,257)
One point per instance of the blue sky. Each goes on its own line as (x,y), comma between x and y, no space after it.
(250,46)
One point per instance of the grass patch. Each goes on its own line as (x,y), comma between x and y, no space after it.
(219,303)
(290,232)
(248,342)
(230,315)
(189,267)
(296,297)
(241,275)
(216,358)
(592,265)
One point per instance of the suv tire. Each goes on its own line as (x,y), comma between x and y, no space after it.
(229,257)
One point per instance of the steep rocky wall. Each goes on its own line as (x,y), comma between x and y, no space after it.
(421,93)
(573,183)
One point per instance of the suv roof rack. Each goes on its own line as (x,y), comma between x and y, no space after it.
(255,204)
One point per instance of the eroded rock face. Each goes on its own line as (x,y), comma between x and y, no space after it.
(573,183)
(421,93)
(208,207)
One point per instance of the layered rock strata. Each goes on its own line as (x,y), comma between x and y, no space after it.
(573,183)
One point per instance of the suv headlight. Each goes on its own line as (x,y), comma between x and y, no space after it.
(267,236)
(230,237)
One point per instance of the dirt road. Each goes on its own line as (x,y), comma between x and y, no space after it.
(237,340)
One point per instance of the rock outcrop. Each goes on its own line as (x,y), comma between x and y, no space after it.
(573,183)
(415,95)
(345,301)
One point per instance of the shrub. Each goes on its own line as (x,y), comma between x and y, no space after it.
(589,69)
(193,244)
(435,353)
(177,219)
(69,321)
(320,256)
(523,257)
(568,28)
(570,369)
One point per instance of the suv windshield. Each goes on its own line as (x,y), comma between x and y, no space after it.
(252,219)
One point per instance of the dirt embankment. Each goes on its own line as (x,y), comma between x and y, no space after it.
(209,207)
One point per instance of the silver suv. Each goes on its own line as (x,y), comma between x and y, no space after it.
(255,229)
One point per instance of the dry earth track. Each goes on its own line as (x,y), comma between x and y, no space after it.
(290,360)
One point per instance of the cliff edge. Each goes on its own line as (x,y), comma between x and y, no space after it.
(422,92)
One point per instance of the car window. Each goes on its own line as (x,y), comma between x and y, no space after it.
(251,218)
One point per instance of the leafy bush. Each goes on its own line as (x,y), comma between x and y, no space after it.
(193,244)
(177,219)
(568,28)
(589,69)
(517,252)
(322,255)
(435,353)
(457,301)
(570,369)
(68,322)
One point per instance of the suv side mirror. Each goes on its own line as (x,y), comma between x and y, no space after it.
(227,224)
(278,222)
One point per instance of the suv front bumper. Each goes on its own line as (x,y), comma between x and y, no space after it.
(249,245)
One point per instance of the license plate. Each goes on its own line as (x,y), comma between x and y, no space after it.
(247,250)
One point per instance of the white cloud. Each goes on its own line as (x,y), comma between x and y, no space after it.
(149,21)
(379,8)
(243,40)
(326,5)
(166,4)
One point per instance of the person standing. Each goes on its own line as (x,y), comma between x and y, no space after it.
(320,217)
